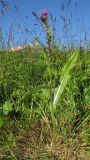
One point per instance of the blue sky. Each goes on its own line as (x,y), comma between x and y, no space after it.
(19,17)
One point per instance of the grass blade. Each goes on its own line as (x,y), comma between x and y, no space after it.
(65,75)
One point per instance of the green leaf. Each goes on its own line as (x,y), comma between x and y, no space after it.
(7,107)
(65,75)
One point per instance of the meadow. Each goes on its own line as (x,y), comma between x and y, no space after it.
(45,99)
(31,127)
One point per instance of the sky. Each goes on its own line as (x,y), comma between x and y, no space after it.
(18,18)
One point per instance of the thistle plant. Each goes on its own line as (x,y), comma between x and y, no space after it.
(44,20)
(65,73)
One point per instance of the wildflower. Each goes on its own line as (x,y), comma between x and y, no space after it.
(44,15)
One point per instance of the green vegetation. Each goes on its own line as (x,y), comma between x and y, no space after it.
(45,105)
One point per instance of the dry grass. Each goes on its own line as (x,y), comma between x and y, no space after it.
(35,143)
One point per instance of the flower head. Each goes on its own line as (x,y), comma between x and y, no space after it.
(44,15)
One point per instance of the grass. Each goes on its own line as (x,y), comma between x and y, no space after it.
(45,100)
(26,123)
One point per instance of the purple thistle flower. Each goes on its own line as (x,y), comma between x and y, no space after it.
(44,15)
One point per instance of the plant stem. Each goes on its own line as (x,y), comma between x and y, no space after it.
(54,125)
(52,110)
